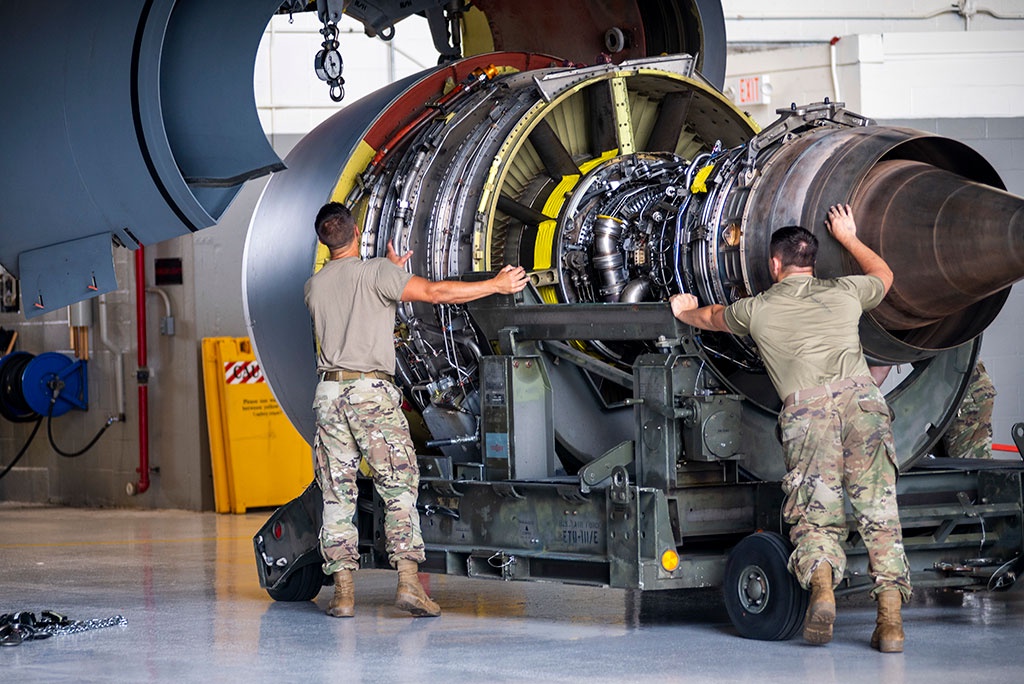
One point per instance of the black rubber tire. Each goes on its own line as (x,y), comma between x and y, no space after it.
(763,599)
(302,585)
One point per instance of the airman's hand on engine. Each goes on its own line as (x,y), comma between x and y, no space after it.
(511,279)
(840,222)
(394,258)
(682,302)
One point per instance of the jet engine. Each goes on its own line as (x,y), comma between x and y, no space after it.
(616,186)
(578,432)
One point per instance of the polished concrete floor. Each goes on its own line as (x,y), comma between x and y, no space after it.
(186,584)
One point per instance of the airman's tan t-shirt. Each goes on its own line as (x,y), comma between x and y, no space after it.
(806,329)
(353,304)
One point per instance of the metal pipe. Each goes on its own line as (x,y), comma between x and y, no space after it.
(998,15)
(965,8)
(832,68)
(608,260)
(142,374)
(79,322)
(636,290)
(118,357)
(868,16)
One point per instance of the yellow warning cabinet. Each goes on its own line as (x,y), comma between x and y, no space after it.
(259,459)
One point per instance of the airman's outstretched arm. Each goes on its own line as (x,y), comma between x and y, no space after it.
(843,228)
(711,317)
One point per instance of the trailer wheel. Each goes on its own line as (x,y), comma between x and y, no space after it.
(763,599)
(302,585)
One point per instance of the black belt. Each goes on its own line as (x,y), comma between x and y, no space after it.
(336,375)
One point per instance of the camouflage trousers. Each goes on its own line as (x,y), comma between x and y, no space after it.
(970,433)
(362,419)
(839,449)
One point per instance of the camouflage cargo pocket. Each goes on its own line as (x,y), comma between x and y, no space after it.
(879,417)
(792,433)
(876,405)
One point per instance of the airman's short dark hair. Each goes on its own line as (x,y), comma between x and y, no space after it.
(334,225)
(794,247)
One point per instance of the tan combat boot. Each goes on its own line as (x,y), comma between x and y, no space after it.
(888,634)
(410,596)
(343,603)
(821,612)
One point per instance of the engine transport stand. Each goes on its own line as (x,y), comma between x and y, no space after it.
(671,508)
(961,525)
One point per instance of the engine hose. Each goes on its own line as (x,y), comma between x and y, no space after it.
(71,454)
(21,453)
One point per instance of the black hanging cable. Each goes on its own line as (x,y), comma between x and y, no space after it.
(24,448)
(49,432)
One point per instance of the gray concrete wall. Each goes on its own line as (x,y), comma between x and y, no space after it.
(100,476)
(207,304)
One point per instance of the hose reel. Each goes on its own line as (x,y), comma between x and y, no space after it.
(50,384)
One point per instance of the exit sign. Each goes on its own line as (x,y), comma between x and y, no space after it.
(752,90)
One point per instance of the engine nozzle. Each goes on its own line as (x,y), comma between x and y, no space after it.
(951,242)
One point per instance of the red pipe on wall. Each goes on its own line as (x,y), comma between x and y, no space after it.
(142,374)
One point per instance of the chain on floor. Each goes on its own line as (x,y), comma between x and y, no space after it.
(25,626)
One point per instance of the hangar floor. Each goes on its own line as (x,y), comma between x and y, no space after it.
(186,584)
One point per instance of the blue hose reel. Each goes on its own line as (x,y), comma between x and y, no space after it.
(50,384)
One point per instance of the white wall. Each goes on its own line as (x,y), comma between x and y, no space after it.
(893,75)
(290,98)
(761,21)
(916,74)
